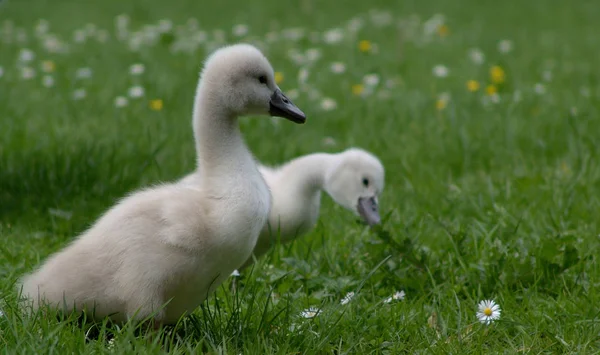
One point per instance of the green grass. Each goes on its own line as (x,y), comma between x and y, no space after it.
(484,201)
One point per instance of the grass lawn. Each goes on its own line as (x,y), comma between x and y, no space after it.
(485,115)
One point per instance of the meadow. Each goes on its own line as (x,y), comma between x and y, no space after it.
(485,115)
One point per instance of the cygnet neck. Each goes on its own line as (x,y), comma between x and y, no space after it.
(308,172)
(220,147)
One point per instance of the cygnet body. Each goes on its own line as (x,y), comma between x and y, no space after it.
(174,244)
(353,178)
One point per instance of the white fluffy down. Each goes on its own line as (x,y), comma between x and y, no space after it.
(296,190)
(174,244)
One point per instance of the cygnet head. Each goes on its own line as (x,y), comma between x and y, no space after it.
(240,81)
(355,182)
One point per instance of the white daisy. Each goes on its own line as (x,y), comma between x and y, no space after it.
(495,98)
(328,104)
(235,273)
(333,36)
(440,71)
(292,94)
(48,81)
(26,55)
(137,69)
(79,94)
(42,27)
(347,298)
(338,67)
(371,80)
(313,54)
(240,30)
(310,312)
(83,73)
(136,92)
(79,36)
(539,89)
(27,73)
(488,311)
(505,46)
(165,25)
(476,56)
(303,75)
(121,101)
(397,296)
(547,75)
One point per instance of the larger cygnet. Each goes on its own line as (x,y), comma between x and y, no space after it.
(161,251)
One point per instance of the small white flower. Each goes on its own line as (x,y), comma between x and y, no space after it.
(547,75)
(235,273)
(338,67)
(137,69)
(505,46)
(440,71)
(79,36)
(476,56)
(310,312)
(328,141)
(539,89)
(488,311)
(430,26)
(83,73)
(397,296)
(371,80)
(292,94)
(111,344)
(79,94)
(136,92)
(48,81)
(121,101)
(381,18)
(293,34)
(347,298)
(313,54)
(27,73)
(272,37)
(42,27)
(303,75)
(240,30)
(1,313)
(333,36)
(165,25)
(328,104)
(495,98)
(26,55)
(517,96)
(355,24)
(1,72)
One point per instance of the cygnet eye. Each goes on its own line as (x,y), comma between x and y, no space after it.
(365,182)
(262,79)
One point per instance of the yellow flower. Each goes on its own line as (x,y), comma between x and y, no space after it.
(491,90)
(48,66)
(357,89)
(364,45)
(472,85)
(278,77)
(156,104)
(441,104)
(497,74)
(443,30)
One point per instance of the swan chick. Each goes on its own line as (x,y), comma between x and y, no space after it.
(353,178)
(161,251)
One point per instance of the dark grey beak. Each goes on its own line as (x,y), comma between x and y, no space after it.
(369,210)
(281,106)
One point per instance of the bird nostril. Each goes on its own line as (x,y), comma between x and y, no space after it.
(286,100)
